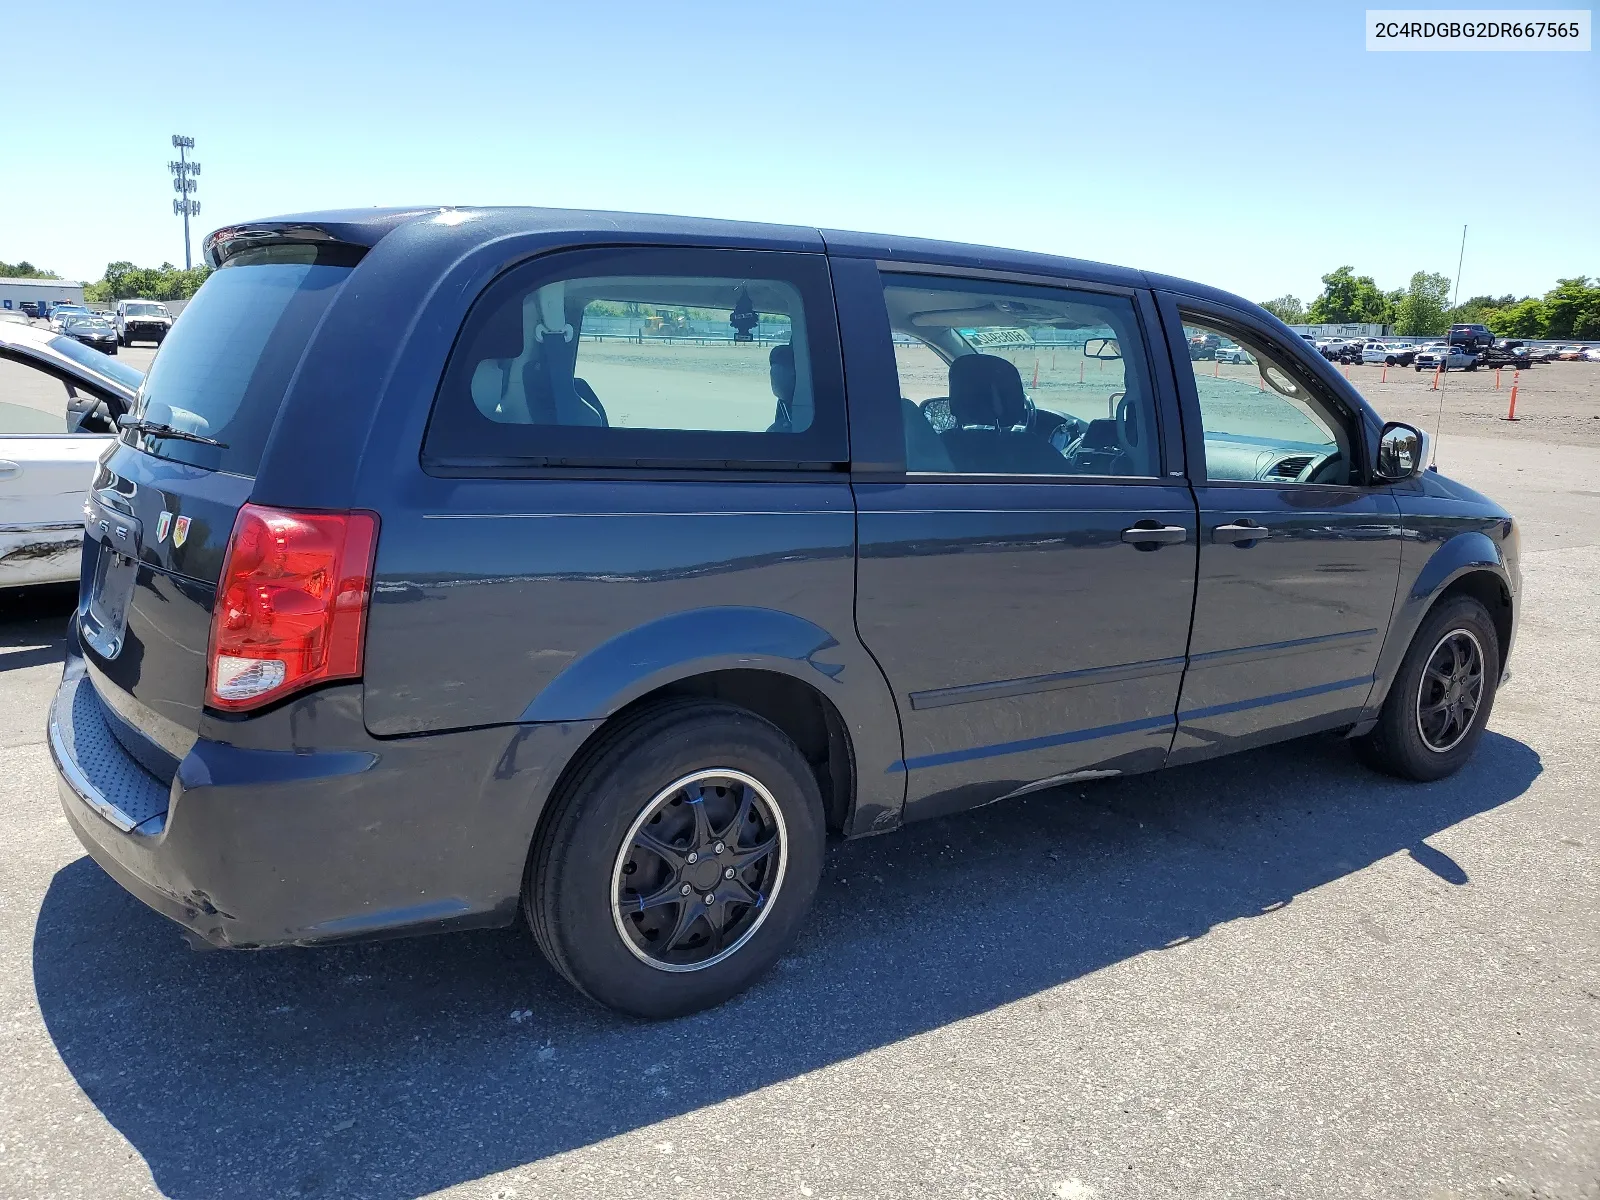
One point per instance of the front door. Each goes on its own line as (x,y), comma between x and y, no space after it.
(45,472)
(1299,555)
(1026,568)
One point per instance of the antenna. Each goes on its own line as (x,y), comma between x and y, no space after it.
(1438,423)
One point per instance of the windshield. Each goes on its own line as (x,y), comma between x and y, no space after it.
(110,368)
(224,368)
(145,310)
(88,323)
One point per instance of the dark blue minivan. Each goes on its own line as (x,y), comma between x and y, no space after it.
(461,563)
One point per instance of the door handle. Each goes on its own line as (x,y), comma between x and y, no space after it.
(1152,536)
(1240,533)
(9,469)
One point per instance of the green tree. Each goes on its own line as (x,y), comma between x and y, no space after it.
(1572,308)
(124,281)
(1347,296)
(25,270)
(1287,309)
(1479,310)
(1524,319)
(1422,307)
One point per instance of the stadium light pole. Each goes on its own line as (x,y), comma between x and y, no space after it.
(184,182)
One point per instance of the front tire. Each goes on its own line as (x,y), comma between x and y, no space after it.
(677,862)
(1441,697)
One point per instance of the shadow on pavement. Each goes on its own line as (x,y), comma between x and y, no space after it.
(394,1069)
(33,624)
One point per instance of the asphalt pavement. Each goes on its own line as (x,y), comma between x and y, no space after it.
(1277,975)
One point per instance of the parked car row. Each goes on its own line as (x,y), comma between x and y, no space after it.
(1467,347)
(130,321)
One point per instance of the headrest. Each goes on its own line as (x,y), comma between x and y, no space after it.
(986,390)
(1101,435)
(501,335)
(782,356)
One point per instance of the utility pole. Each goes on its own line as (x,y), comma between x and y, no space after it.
(185,184)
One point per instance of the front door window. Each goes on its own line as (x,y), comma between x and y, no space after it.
(1264,420)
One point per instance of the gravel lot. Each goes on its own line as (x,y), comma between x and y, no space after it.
(1556,402)
(1276,975)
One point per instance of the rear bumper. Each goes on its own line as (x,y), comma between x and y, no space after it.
(262,847)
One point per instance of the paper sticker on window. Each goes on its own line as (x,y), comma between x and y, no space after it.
(988,339)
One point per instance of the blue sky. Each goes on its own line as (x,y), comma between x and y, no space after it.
(1249,146)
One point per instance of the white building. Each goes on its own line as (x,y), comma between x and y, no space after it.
(1347,329)
(48,291)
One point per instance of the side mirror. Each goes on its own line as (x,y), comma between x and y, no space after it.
(1402,452)
(1102,348)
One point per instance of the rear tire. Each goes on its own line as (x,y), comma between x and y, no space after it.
(611,913)
(1435,713)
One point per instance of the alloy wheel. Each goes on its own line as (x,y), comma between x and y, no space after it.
(1451,691)
(698,870)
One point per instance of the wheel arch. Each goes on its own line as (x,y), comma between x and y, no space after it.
(1468,564)
(804,715)
(825,695)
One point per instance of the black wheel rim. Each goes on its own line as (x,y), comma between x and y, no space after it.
(699,870)
(1451,691)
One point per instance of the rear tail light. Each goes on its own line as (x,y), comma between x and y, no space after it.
(291,605)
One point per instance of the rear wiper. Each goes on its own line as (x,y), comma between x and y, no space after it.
(166,431)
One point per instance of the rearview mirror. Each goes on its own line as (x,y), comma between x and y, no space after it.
(1102,348)
(1402,452)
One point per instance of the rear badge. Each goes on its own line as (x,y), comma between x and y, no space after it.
(180,532)
(163,523)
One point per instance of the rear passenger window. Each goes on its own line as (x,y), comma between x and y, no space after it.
(1007,380)
(647,357)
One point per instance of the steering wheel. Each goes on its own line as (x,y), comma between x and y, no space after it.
(1068,436)
(1326,471)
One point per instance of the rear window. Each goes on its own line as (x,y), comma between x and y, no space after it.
(224,367)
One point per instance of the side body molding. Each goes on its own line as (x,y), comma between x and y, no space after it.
(697,641)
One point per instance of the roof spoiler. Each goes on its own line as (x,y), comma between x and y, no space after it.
(356,236)
(223,244)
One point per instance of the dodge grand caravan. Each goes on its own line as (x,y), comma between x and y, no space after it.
(456,566)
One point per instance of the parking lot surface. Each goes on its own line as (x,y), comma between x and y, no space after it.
(1274,975)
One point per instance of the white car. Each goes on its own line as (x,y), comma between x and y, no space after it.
(1592,354)
(59,402)
(1395,354)
(141,321)
(1234,354)
(1452,358)
(62,313)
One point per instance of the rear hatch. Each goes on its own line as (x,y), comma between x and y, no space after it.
(162,507)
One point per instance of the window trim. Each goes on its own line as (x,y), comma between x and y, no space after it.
(1174,308)
(807,272)
(1169,470)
